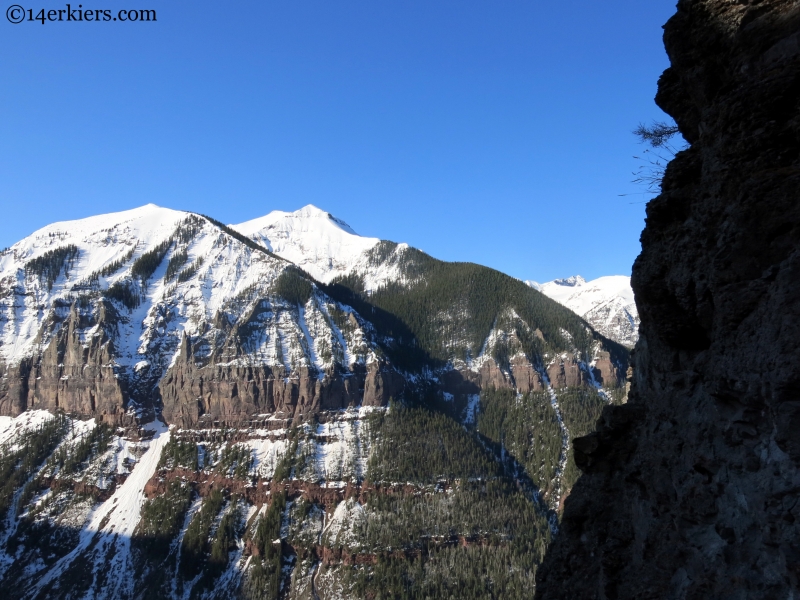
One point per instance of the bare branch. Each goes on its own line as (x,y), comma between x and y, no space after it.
(657,135)
(653,161)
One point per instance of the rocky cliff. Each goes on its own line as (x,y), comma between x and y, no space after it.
(235,394)
(691,489)
(74,372)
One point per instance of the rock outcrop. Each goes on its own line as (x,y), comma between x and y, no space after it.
(691,489)
(566,372)
(522,376)
(14,387)
(233,394)
(526,377)
(75,373)
(605,371)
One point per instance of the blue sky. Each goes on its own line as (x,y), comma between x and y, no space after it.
(493,132)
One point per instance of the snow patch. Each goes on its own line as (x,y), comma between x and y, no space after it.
(111,524)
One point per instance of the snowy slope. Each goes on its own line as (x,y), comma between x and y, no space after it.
(607,303)
(167,307)
(311,238)
(101,240)
(110,526)
(216,283)
(322,245)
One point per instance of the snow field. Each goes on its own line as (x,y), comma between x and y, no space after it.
(111,524)
(339,451)
(266,453)
(11,427)
(341,527)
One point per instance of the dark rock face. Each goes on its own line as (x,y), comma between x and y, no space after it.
(566,373)
(14,387)
(522,376)
(77,375)
(605,371)
(526,377)
(73,374)
(234,394)
(691,489)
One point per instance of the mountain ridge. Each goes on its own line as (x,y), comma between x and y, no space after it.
(293,403)
(606,302)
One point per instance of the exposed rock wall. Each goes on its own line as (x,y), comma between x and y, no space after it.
(232,394)
(14,387)
(526,377)
(691,489)
(566,372)
(462,382)
(605,370)
(74,373)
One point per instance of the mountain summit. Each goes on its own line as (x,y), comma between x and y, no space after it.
(325,247)
(606,302)
(314,240)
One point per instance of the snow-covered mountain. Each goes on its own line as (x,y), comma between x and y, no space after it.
(328,248)
(313,239)
(112,315)
(95,312)
(323,246)
(606,302)
(193,410)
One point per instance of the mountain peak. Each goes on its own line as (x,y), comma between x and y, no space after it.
(309,211)
(307,218)
(573,281)
(148,221)
(606,302)
(311,238)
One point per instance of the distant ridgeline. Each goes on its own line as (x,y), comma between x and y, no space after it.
(280,409)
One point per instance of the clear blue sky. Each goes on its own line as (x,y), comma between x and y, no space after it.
(489,131)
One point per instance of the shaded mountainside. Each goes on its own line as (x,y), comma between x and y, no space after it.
(691,489)
(186,413)
(409,502)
